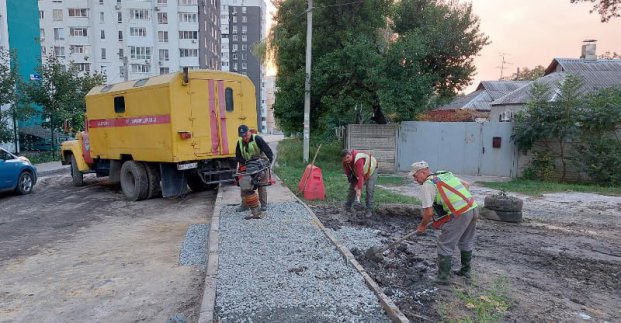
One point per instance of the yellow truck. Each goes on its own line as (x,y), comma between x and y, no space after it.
(159,135)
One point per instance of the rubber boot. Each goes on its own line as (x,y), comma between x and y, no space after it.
(466,259)
(444,270)
(242,208)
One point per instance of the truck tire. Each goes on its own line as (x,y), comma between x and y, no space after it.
(134,181)
(76,175)
(509,216)
(154,177)
(503,203)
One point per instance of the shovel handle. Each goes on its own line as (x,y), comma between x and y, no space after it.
(398,241)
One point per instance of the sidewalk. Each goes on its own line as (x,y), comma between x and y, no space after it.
(52,168)
(286,267)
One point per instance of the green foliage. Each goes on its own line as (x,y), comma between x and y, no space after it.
(538,188)
(291,167)
(60,93)
(11,95)
(600,159)
(550,121)
(359,61)
(526,74)
(541,167)
(41,157)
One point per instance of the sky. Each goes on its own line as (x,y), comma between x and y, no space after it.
(533,32)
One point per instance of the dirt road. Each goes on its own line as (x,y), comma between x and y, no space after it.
(86,254)
(562,264)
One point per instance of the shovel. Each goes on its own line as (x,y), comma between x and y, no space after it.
(376,254)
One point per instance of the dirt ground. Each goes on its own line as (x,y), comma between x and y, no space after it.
(85,254)
(561,264)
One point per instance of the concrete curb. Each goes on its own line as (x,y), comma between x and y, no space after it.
(208,303)
(49,172)
(387,304)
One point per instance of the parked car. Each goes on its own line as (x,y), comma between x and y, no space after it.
(16,173)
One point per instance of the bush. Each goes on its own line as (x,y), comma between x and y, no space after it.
(600,159)
(541,167)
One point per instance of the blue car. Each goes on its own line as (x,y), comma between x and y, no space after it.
(16,173)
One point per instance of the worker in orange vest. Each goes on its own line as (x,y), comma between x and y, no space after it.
(361,169)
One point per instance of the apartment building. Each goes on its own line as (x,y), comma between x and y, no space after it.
(242,26)
(131,39)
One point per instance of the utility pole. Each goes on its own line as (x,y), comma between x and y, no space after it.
(307,81)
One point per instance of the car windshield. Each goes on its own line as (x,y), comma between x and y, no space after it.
(5,155)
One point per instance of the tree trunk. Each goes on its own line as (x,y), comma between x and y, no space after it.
(378,115)
(563,163)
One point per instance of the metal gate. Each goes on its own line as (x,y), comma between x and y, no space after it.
(466,148)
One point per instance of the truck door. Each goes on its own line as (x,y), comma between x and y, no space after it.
(216,108)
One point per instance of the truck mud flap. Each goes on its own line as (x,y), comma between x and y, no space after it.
(174,182)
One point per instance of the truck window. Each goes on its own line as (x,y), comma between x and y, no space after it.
(119,104)
(228,95)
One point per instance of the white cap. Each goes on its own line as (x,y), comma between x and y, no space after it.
(419,165)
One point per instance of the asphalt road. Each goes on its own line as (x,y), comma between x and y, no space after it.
(85,254)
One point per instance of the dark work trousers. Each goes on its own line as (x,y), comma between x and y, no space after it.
(370,186)
(460,232)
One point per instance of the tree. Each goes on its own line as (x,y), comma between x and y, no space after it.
(550,121)
(609,55)
(393,58)
(60,93)
(10,95)
(526,74)
(607,9)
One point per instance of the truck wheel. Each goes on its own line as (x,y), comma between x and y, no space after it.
(76,176)
(154,177)
(134,181)
(196,183)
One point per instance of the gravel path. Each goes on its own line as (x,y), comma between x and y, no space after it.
(284,269)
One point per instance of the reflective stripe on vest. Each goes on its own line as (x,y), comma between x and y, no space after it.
(250,150)
(370,163)
(455,198)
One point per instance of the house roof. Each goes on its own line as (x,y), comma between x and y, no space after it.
(579,65)
(592,81)
(486,92)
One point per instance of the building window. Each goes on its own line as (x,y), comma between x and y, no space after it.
(162,36)
(187,2)
(119,16)
(103,34)
(121,74)
(139,14)
(188,34)
(120,35)
(188,52)
(83,67)
(141,68)
(244,29)
(78,32)
(162,2)
(244,19)
(138,31)
(164,70)
(188,17)
(244,37)
(101,2)
(234,48)
(234,66)
(140,52)
(164,55)
(234,29)
(244,65)
(57,14)
(244,47)
(78,12)
(234,56)
(59,34)
(235,38)
(103,53)
(42,35)
(244,56)
(162,18)
(59,51)
(101,17)
(76,49)
(234,19)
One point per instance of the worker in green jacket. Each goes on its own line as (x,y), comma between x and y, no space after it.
(456,213)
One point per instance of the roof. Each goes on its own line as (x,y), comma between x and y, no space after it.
(579,65)
(486,92)
(592,81)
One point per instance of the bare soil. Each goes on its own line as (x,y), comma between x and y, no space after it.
(85,254)
(562,263)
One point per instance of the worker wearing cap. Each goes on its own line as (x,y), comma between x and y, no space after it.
(251,146)
(361,169)
(453,199)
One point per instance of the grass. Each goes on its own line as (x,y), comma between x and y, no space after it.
(475,304)
(537,188)
(291,168)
